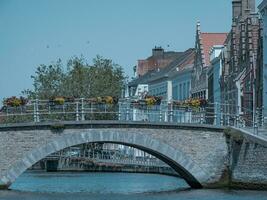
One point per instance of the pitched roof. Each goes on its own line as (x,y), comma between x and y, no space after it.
(208,40)
(166,55)
(184,58)
(142,79)
(178,62)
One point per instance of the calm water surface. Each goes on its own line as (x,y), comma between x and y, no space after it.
(113,186)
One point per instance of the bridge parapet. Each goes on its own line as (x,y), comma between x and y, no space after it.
(216,114)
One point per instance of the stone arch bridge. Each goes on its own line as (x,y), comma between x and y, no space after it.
(205,156)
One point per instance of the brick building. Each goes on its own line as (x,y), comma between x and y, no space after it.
(261,83)
(240,60)
(159,59)
(172,81)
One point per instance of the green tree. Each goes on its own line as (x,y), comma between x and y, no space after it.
(107,78)
(103,78)
(47,81)
(77,80)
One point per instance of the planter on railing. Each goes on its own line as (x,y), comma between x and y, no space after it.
(103,100)
(15,101)
(110,100)
(191,103)
(59,100)
(147,101)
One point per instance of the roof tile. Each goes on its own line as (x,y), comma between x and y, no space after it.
(208,40)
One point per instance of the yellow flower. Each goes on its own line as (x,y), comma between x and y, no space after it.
(109,100)
(150,101)
(59,100)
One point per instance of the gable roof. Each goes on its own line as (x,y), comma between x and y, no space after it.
(184,58)
(208,40)
(141,79)
(166,55)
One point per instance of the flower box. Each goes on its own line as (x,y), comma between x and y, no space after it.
(15,101)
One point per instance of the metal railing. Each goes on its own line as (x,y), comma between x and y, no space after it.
(217,114)
(66,156)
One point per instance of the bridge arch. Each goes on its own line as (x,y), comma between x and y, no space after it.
(178,160)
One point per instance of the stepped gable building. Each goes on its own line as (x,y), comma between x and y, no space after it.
(241,58)
(261,83)
(203,45)
(159,59)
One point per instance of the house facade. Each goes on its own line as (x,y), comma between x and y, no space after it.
(214,82)
(262,69)
(161,88)
(181,84)
(203,44)
(241,60)
(174,82)
(164,82)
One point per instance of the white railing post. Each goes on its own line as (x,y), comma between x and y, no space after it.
(201,116)
(160,114)
(221,114)
(119,114)
(49,108)
(215,113)
(262,115)
(260,124)
(171,112)
(127,113)
(83,116)
(228,117)
(77,110)
(255,124)
(190,115)
(36,111)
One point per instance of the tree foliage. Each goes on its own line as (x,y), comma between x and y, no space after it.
(102,78)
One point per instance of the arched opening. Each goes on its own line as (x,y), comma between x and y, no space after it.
(175,158)
(104,157)
(144,172)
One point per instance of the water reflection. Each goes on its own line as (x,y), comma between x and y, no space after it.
(114,186)
(99,183)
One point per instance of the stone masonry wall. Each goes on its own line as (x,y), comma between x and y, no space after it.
(206,149)
(247,161)
(210,155)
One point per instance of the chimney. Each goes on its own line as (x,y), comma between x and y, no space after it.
(236,9)
(135,71)
(158,51)
(248,6)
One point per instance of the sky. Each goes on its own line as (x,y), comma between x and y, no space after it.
(34,32)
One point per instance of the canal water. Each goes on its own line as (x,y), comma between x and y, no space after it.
(114,186)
